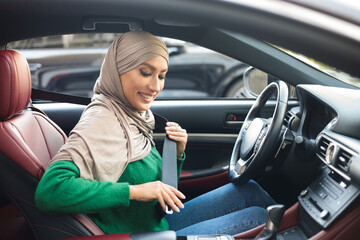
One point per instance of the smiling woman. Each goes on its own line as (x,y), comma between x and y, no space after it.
(120,158)
(110,155)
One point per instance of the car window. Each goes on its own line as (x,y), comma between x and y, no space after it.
(71,64)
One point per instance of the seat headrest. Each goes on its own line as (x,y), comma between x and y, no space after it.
(15,83)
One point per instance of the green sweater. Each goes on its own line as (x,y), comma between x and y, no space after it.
(62,190)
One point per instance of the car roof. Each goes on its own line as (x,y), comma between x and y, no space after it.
(326,37)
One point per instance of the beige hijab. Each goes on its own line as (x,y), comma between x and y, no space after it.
(111,132)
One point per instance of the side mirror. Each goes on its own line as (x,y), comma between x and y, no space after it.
(255,81)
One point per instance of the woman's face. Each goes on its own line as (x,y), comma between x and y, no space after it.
(142,84)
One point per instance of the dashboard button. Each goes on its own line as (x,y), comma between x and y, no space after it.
(322,195)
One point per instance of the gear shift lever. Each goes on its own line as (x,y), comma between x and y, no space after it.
(274,216)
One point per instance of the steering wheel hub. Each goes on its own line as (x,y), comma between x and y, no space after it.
(251,136)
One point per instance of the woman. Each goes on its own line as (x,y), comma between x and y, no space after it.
(109,168)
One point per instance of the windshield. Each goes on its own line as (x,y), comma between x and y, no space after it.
(332,71)
(314,63)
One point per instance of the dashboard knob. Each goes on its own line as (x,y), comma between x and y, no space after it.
(305,147)
(300,142)
(299,139)
(324,214)
(304,192)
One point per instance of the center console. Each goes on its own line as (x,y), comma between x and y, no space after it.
(320,204)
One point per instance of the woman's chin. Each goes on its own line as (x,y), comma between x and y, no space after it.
(143,107)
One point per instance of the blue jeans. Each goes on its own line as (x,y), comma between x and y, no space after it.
(230,209)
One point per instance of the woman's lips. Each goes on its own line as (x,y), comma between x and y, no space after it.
(146,97)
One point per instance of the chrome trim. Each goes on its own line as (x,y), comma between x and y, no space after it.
(282,145)
(340,146)
(334,169)
(234,122)
(331,153)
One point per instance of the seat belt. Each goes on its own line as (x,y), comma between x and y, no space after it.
(169,160)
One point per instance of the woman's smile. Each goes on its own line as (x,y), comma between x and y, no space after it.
(147,97)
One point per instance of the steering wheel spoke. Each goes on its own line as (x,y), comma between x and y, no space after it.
(241,166)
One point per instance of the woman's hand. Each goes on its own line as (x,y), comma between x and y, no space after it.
(176,133)
(164,193)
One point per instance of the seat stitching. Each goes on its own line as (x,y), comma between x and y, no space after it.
(46,143)
(6,58)
(51,123)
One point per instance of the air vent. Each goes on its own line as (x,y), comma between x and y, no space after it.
(287,119)
(323,145)
(342,161)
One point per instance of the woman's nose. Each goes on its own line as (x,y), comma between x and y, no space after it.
(155,84)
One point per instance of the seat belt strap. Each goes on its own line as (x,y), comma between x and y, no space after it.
(169,165)
(169,160)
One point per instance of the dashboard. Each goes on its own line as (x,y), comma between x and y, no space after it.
(328,120)
(318,116)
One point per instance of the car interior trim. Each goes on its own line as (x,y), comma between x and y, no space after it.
(90,23)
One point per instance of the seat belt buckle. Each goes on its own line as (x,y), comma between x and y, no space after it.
(168,210)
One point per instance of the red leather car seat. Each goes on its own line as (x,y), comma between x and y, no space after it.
(28,140)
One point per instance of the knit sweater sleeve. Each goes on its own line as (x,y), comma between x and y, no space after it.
(62,190)
(180,162)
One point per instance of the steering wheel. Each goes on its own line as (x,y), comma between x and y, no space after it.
(257,141)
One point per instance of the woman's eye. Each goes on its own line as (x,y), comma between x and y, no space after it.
(162,77)
(145,74)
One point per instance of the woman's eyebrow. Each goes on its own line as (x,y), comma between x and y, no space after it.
(152,67)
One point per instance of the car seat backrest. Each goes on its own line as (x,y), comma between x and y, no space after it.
(28,141)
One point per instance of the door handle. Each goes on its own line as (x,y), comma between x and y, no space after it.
(234,120)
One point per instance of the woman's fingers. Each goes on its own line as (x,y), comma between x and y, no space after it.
(175,195)
(178,193)
(179,135)
(176,133)
(165,194)
(162,202)
(174,129)
(171,198)
(168,199)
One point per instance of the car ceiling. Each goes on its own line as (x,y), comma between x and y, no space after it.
(20,19)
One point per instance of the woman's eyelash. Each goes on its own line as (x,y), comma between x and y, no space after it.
(145,74)
(149,74)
